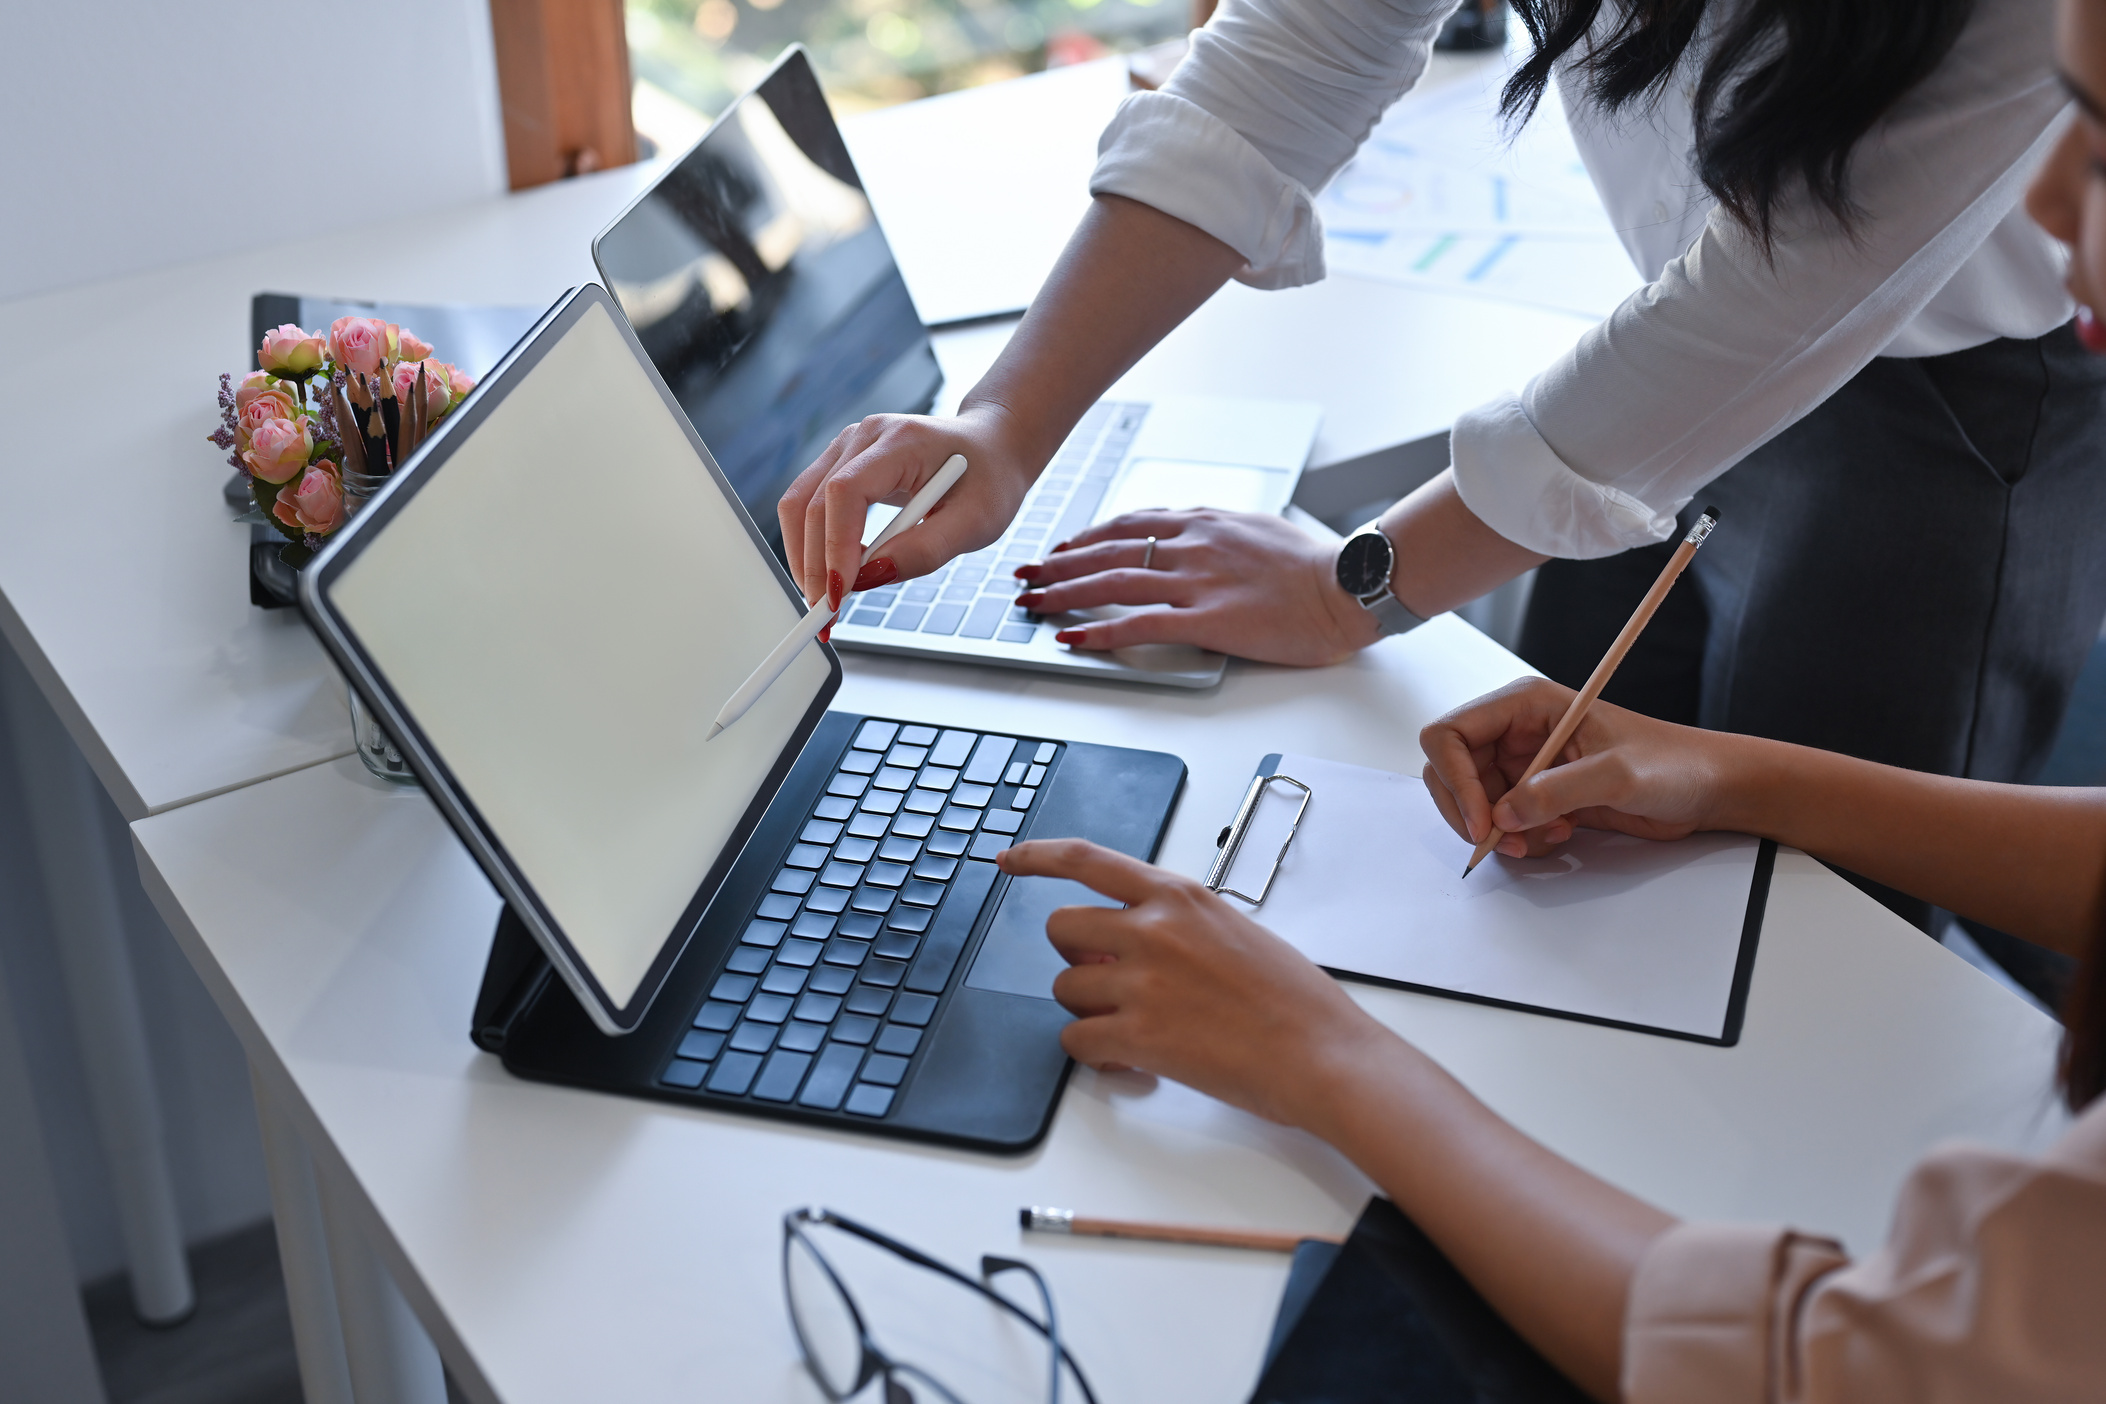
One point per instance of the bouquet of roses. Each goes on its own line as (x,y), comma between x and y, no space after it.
(328,418)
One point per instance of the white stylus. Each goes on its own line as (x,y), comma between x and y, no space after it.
(820,615)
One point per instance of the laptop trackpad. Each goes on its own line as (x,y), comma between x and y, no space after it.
(1016,958)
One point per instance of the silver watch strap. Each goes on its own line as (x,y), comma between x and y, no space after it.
(1391,617)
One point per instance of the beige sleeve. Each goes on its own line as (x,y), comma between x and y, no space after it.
(1988,1288)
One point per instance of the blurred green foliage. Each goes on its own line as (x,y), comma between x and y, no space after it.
(870,53)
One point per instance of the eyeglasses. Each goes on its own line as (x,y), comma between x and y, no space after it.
(836,1343)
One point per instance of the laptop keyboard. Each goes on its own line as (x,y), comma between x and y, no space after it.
(843,965)
(974,597)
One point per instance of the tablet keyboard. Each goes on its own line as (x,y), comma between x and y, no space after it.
(842,966)
(974,596)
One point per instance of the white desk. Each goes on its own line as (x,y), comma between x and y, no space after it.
(563,1245)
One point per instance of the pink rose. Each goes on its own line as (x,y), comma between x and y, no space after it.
(254,409)
(359,344)
(278,449)
(438,392)
(291,352)
(412,347)
(458,381)
(315,504)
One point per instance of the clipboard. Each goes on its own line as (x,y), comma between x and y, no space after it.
(1654,938)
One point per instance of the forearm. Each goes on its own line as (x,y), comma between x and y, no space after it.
(2030,860)
(1128,276)
(1446,555)
(1551,1246)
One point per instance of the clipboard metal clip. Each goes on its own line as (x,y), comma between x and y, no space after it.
(1232,838)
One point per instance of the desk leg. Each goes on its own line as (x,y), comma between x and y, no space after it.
(73,853)
(303,1253)
(392,1360)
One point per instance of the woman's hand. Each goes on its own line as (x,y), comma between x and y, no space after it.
(1181,984)
(1237,582)
(1621,771)
(886,458)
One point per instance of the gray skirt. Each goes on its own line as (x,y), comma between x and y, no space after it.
(1912,574)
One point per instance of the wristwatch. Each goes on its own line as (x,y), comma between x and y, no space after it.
(1364,566)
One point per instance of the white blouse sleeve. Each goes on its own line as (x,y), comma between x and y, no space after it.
(1727,348)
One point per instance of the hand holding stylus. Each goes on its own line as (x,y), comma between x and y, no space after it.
(822,613)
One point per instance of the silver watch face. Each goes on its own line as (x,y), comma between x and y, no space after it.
(1364,564)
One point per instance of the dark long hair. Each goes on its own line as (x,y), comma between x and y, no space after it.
(1785,92)
(2084,1028)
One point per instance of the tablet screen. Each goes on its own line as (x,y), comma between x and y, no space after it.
(561,606)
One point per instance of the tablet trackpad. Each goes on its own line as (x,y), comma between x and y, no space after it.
(1016,958)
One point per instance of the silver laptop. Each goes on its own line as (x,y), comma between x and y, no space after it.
(756,276)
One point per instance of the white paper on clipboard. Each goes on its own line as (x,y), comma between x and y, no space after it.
(1611,928)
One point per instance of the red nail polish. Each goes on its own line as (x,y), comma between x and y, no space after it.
(826,635)
(1058,546)
(1031,599)
(882,571)
(833,588)
(1070,636)
(1029,572)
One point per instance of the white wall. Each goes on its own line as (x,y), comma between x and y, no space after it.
(139,133)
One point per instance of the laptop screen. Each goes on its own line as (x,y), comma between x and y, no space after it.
(557,597)
(756,276)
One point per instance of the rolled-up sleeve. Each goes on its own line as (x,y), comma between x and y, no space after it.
(1989,1288)
(1732,344)
(1274,97)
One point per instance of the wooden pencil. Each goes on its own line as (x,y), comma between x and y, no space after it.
(1067,1221)
(1606,669)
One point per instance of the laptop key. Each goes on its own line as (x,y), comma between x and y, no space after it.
(910,919)
(899,1039)
(734,1073)
(861,925)
(701,1046)
(848,786)
(753,1038)
(732,989)
(819,1008)
(935,868)
(783,980)
(860,762)
(984,618)
(1015,774)
(778,906)
(778,1080)
(684,1073)
(954,923)
(799,952)
(877,735)
(718,1016)
(865,999)
(806,855)
(869,1101)
(906,616)
(896,945)
(1017,633)
(973,796)
(840,952)
(873,899)
(747,960)
(937,777)
(830,1079)
(883,973)
(893,777)
(922,894)
(839,874)
(950,845)
(924,802)
(885,1069)
(917,735)
(858,1028)
(834,807)
(887,874)
(1046,751)
(795,880)
(907,757)
(952,748)
(826,899)
(989,757)
(1003,821)
(988,843)
(1035,776)
(956,818)
(899,850)
(801,1037)
(868,618)
(763,933)
(914,1009)
(867,825)
(832,979)
(1022,798)
(914,826)
(882,802)
(822,832)
(856,850)
(769,1008)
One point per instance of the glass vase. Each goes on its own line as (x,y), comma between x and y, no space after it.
(375,747)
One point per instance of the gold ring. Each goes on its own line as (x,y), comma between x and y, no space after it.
(1148,556)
